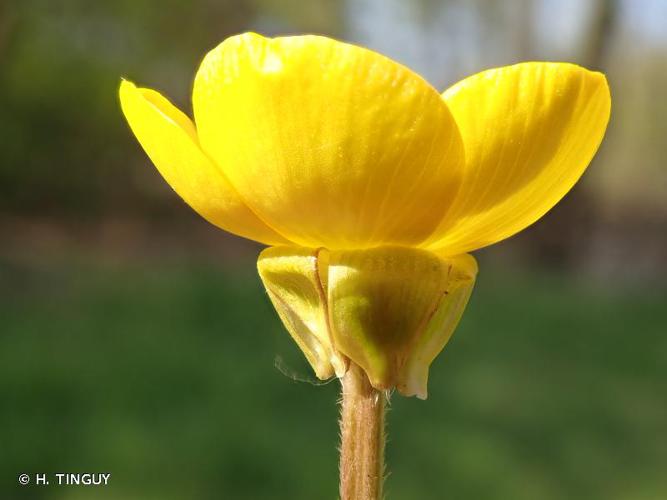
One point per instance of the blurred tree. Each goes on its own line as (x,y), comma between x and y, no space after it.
(66,149)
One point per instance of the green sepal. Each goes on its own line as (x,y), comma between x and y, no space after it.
(390,310)
(393,309)
(292,279)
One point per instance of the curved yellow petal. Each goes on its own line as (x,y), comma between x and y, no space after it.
(331,144)
(170,140)
(530,130)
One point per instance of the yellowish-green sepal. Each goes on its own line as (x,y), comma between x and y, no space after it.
(390,310)
(292,279)
(460,281)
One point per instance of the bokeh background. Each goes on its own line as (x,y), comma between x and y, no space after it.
(136,339)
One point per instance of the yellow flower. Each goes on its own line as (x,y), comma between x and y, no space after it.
(370,186)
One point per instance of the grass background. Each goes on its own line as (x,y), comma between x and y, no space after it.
(163,372)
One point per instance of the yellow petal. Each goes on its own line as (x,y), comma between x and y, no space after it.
(393,309)
(170,140)
(331,144)
(529,130)
(293,278)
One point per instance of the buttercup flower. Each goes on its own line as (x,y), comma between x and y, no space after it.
(370,188)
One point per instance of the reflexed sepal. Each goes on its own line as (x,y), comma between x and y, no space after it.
(392,310)
(292,280)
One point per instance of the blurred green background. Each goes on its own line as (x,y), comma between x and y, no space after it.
(136,339)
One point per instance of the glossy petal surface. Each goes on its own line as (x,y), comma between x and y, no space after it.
(331,144)
(530,130)
(170,140)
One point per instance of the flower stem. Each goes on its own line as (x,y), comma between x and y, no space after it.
(362,438)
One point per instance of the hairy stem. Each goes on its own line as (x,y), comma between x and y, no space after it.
(362,438)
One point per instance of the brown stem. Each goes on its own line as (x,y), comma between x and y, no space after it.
(362,438)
